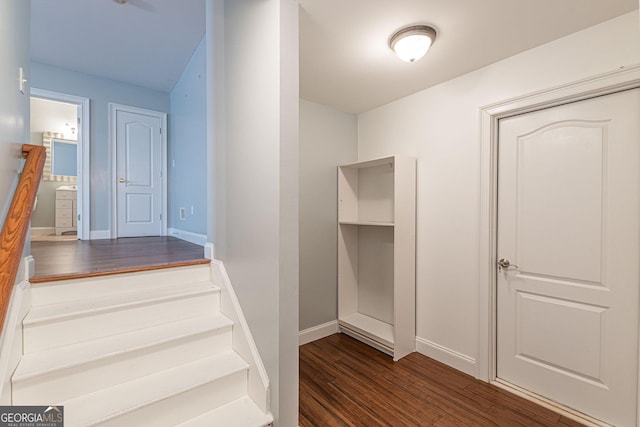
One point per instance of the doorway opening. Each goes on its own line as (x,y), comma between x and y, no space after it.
(61,123)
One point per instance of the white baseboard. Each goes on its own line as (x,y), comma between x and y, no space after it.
(447,356)
(550,404)
(99,234)
(209,251)
(29,266)
(243,342)
(195,238)
(317,332)
(43,231)
(11,339)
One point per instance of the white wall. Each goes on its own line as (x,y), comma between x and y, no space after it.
(441,127)
(288,84)
(256,216)
(327,138)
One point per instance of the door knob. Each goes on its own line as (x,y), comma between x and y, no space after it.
(122,180)
(505,264)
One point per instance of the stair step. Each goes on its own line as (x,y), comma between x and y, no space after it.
(165,398)
(71,309)
(78,289)
(242,412)
(64,372)
(55,325)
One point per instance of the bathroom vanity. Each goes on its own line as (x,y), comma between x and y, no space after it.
(66,210)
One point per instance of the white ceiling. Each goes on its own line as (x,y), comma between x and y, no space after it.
(52,116)
(345,61)
(344,58)
(143,42)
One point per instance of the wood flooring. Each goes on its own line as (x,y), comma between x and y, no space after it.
(87,258)
(346,383)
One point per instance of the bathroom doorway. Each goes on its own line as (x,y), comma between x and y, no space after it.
(60,122)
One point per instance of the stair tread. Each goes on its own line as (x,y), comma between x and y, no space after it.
(68,356)
(242,412)
(51,312)
(92,278)
(123,398)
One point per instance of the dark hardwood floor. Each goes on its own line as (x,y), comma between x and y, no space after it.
(85,258)
(346,383)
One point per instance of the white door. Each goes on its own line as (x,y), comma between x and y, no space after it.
(138,174)
(568,223)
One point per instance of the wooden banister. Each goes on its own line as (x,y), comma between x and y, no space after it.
(16,225)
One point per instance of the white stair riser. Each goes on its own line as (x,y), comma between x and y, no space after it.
(89,377)
(240,413)
(72,290)
(59,332)
(138,349)
(183,406)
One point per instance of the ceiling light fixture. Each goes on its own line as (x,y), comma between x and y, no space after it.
(120,1)
(412,43)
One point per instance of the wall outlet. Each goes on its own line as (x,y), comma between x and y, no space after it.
(183,214)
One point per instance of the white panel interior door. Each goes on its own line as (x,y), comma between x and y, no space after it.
(568,223)
(139,174)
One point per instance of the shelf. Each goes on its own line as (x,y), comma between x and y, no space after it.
(371,328)
(371,163)
(374,223)
(376,253)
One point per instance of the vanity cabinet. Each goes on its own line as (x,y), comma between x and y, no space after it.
(66,211)
(376,253)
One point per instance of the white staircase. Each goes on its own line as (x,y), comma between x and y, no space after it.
(150,348)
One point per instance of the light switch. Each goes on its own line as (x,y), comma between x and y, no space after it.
(21,80)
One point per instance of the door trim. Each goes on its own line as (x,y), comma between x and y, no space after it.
(84,151)
(113,109)
(604,84)
(615,81)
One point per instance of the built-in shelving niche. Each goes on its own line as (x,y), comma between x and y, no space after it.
(376,253)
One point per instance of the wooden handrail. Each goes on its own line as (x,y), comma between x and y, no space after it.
(16,225)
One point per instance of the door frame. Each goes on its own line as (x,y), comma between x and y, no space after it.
(113,110)
(84,151)
(603,84)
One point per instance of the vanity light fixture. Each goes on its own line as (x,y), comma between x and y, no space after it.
(68,132)
(412,43)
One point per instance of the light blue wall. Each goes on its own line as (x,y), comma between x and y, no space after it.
(14,106)
(188,145)
(101,92)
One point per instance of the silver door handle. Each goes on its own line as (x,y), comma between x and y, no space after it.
(504,264)
(122,180)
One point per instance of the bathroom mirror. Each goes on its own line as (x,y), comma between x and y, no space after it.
(61,162)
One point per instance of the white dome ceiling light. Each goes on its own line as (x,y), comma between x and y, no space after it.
(412,43)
